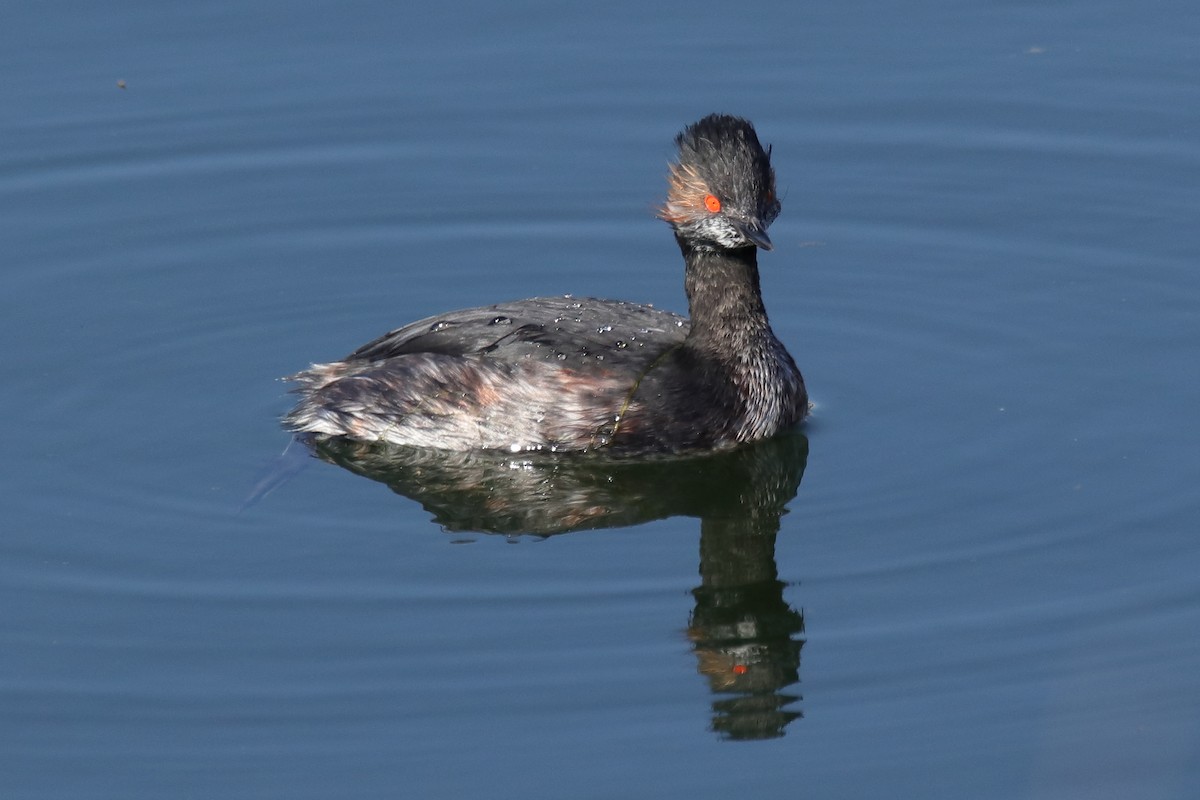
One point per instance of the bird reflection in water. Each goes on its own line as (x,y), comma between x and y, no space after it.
(746,638)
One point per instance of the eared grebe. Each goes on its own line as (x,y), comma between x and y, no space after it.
(563,374)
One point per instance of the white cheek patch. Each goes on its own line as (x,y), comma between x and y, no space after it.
(720,232)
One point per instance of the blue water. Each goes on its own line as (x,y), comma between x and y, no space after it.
(985,584)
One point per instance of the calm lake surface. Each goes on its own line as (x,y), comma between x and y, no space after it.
(974,574)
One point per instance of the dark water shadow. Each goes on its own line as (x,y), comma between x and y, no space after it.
(746,638)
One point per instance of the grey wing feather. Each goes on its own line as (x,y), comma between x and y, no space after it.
(568,329)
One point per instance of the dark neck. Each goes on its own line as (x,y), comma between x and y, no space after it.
(724,300)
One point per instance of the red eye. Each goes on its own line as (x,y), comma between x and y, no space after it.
(712,203)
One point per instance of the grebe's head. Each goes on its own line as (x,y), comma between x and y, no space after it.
(721,192)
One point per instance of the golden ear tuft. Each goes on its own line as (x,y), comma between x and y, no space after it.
(687,195)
